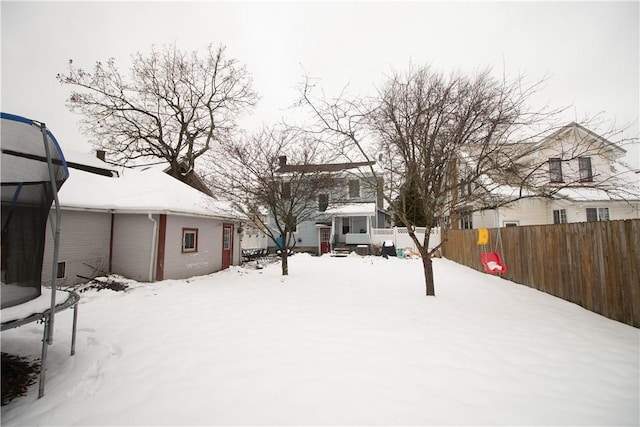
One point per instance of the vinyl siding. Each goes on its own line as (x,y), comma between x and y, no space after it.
(132,250)
(617,210)
(525,212)
(208,258)
(522,212)
(307,235)
(84,246)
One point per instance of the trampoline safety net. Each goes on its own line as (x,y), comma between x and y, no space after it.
(27,195)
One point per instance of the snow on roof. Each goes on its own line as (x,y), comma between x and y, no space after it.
(510,191)
(586,194)
(139,191)
(353,209)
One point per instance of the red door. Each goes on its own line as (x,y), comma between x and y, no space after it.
(227,245)
(325,240)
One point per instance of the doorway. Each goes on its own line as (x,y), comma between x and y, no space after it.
(227,245)
(325,240)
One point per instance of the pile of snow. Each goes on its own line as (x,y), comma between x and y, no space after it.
(341,341)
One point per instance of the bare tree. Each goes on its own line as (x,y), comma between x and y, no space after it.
(172,107)
(423,124)
(255,175)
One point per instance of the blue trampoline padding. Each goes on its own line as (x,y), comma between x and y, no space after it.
(30,122)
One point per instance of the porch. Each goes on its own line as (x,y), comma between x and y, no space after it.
(350,227)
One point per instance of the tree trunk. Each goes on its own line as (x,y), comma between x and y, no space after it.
(428,275)
(427,264)
(285,262)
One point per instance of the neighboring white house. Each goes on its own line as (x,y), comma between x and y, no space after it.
(581,178)
(144,225)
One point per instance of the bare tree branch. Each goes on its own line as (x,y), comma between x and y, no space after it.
(251,172)
(173,105)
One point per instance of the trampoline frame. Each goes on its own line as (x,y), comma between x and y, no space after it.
(46,317)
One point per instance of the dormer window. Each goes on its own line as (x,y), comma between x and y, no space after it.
(555,170)
(586,173)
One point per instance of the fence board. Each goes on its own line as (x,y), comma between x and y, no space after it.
(593,264)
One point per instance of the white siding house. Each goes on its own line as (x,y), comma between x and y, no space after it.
(144,225)
(581,177)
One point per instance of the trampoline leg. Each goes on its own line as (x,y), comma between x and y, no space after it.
(43,358)
(73,333)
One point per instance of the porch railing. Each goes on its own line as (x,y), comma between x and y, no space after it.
(358,239)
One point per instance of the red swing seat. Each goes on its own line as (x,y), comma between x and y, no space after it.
(492,263)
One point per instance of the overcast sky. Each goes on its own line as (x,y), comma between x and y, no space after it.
(589,50)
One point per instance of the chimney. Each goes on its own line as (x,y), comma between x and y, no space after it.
(282,160)
(101,154)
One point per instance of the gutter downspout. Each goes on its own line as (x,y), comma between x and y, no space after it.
(154,238)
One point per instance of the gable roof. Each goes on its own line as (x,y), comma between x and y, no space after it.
(575,127)
(140,191)
(506,183)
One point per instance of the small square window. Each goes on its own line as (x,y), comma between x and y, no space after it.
(466,220)
(560,216)
(189,240)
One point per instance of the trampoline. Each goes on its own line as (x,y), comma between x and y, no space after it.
(33,169)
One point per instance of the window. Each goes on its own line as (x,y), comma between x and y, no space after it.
(354,188)
(286,190)
(560,216)
(586,174)
(465,188)
(226,238)
(323,202)
(61,270)
(466,220)
(189,240)
(597,214)
(345,225)
(555,170)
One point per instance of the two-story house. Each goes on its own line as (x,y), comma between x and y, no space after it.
(574,175)
(345,214)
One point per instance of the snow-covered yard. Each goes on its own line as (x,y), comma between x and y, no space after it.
(341,341)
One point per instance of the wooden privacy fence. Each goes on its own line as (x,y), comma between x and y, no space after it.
(592,264)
